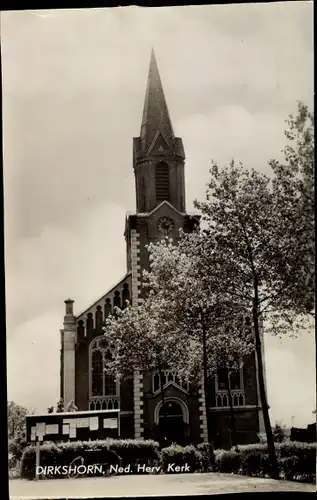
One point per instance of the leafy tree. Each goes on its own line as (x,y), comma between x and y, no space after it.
(253,248)
(16,420)
(240,248)
(293,189)
(139,342)
(16,430)
(196,313)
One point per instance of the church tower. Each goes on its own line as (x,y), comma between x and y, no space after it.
(158,156)
(158,163)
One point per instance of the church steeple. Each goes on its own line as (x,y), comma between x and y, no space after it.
(158,156)
(156,117)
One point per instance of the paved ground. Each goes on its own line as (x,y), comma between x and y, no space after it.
(146,485)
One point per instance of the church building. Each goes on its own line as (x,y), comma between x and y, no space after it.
(159,168)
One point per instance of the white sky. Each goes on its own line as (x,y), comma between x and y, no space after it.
(73,89)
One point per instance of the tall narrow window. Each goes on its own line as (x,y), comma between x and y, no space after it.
(102,384)
(97,373)
(142,195)
(162,182)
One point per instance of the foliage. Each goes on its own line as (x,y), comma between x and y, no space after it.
(208,456)
(253,248)
(132,450)
(228,462)
(252,463)
(293,188)
(207,325)
(298,468)
(283,449)
(139,341)
(178,455)
(296,461)
(16,446)
(280,432)
(16,420)
(110,451)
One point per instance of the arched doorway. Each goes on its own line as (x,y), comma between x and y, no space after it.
(172,427)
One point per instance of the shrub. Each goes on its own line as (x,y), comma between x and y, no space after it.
(50,455)
(208,456)
(287,467)
(280,432)
(228,461)
(14,470)
(134,451)
(295,448)
(251,463)
(16,446)
(298,468)
(178,455)
(256,461)
(110,451)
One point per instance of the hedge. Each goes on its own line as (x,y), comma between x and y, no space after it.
(297,461)
(121,452)
(176,454)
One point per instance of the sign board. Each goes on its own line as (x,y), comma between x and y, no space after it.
(81,425)
(82,422)
(52,429)
(110,423)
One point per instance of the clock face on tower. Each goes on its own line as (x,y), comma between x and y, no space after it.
(165,226)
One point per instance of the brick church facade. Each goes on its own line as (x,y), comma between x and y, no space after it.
(158,162)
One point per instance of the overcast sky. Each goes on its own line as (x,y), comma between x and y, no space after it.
(73,90)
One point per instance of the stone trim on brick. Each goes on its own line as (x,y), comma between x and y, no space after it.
(138,404)
(135,294)
(135,266)
(203,413)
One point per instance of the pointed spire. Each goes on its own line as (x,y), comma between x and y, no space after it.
(155,113)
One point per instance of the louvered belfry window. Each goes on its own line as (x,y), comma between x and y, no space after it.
(162,182)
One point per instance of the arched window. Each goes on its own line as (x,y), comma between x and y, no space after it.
(101,383)
(162,182)
(125,295)
(116,299)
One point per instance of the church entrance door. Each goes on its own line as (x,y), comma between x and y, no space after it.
(172,427)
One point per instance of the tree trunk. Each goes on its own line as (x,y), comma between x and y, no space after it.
(232,414)
(265,409)
(164,426)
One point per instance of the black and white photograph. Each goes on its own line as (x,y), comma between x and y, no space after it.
(159,231)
